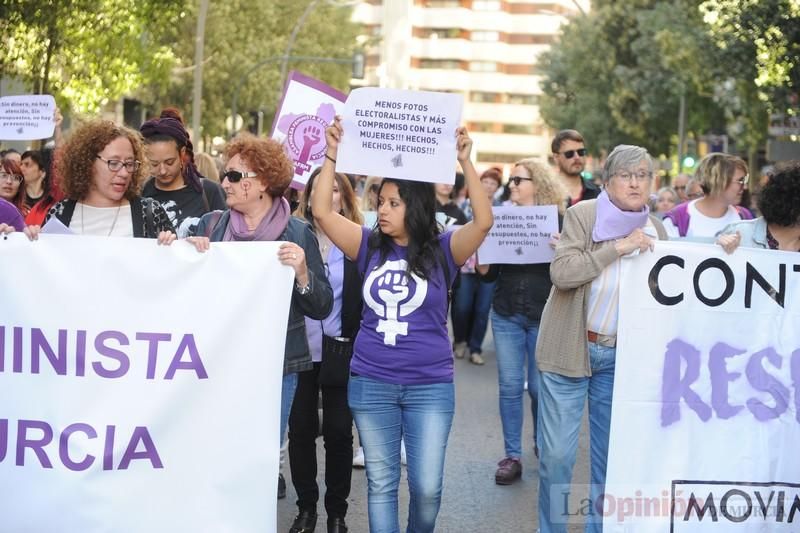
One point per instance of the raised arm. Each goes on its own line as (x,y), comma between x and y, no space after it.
(467,238)
(344,233)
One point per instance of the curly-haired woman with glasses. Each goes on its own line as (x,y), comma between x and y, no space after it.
(101,175)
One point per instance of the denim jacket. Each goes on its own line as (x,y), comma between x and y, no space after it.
(316,304)
(753,232)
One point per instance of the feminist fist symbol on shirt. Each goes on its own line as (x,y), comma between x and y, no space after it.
(393,286)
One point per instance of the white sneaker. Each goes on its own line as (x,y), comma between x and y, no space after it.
(403,460)
(460,350)
(358,458)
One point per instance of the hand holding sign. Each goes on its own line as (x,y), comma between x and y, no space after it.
(463,144)
(400,134)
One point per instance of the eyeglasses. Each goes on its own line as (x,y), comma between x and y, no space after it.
(10,177)
(235,176)
(115,165)
(517,179)
(744,180)
(680,188)
(569,154)
(628,177)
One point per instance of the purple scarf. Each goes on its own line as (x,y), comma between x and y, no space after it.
(269,229)
(614,223)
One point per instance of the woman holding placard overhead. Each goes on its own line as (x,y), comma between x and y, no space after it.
(519,299)
(401,381)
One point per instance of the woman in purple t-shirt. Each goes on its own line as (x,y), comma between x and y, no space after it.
(401,384)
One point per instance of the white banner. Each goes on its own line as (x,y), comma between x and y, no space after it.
(307,108)
(27,117)
(394,133)
(140,385)
(706,412)
(520,235)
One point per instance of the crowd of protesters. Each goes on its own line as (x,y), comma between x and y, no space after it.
(554,325)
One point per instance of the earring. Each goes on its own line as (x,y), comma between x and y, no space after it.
(261,196)
(245,194)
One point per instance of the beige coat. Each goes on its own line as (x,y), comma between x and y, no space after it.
(562,347)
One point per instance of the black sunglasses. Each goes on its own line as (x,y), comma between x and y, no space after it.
(235,176)
(517,179)
(569,154)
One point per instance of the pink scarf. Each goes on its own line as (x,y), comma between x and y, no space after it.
(269,229)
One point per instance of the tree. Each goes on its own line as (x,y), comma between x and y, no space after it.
(86,52)
(239,34)
(618,73)
(758,47)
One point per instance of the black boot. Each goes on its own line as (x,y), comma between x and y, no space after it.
(336,525)
(305,522)
(281,487)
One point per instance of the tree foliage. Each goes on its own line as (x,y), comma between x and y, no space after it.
(86,52)
(618,73)
(240,34)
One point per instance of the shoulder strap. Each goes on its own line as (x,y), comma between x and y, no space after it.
(744,213)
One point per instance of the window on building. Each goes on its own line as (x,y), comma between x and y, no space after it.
(448,64)
(481,127)
(443,33)
(499,158)
(486,5)
(485,36)
(523,99)
(521,129)
(442,3)
(484,97)
(483,66)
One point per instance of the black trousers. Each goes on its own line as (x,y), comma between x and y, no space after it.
(337,433)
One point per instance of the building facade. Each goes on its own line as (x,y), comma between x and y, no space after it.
(485,50)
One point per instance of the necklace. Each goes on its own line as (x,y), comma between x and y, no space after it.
(113,223)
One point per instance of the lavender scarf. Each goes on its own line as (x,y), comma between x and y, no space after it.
(614,223)
(269,229)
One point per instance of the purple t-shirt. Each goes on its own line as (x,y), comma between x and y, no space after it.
(10,215)
(403,337)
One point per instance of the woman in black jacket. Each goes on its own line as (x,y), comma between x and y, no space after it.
(331,343)
(519,298)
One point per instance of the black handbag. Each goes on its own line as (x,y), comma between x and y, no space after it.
(334,371)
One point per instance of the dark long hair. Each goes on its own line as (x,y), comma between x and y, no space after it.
(424,252)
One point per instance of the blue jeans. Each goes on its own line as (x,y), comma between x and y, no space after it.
(288,388)
(515,347)
(421,415)
(471,304)
(561,401)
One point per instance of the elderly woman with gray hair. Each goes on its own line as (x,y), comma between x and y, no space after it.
(576,347)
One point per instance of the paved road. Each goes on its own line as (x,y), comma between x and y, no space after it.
(471,501)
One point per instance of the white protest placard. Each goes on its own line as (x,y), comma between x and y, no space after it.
(307,108)
(706,410)
(140,390)
(400,134)
(27,117)
(520,235)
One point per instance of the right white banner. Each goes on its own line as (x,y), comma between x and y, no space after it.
(705,425)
